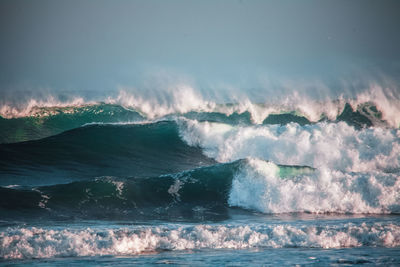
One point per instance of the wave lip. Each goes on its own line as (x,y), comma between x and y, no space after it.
(23,243)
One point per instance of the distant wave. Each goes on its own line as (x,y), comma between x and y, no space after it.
(183,99)
(28,118)
(34,119)
(49,121)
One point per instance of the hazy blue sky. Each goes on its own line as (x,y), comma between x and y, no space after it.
(103,44)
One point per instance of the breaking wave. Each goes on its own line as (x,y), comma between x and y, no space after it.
(336,146)
(210,192)
(199,163)
(25,243)
(34,119)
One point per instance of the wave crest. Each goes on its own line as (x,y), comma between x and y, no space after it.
(183,98)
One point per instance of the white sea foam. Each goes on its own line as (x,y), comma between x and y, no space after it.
(258,186)
(357,170)
(22,243)
(336,146)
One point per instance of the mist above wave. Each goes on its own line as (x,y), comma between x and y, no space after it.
(183,98)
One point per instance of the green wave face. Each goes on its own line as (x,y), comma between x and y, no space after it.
(50,121)
(139,150)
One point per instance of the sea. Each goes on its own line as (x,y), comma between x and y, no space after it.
(131,181)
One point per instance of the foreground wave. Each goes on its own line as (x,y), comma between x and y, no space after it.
(23,243)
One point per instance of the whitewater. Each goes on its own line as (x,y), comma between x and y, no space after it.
(175,175)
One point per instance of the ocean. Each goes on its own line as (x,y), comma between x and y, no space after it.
(130,182)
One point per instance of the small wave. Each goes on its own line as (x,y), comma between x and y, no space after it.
(26,243)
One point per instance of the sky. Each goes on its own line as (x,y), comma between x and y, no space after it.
(102,45)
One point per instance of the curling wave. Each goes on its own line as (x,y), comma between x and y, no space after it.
(208,193)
